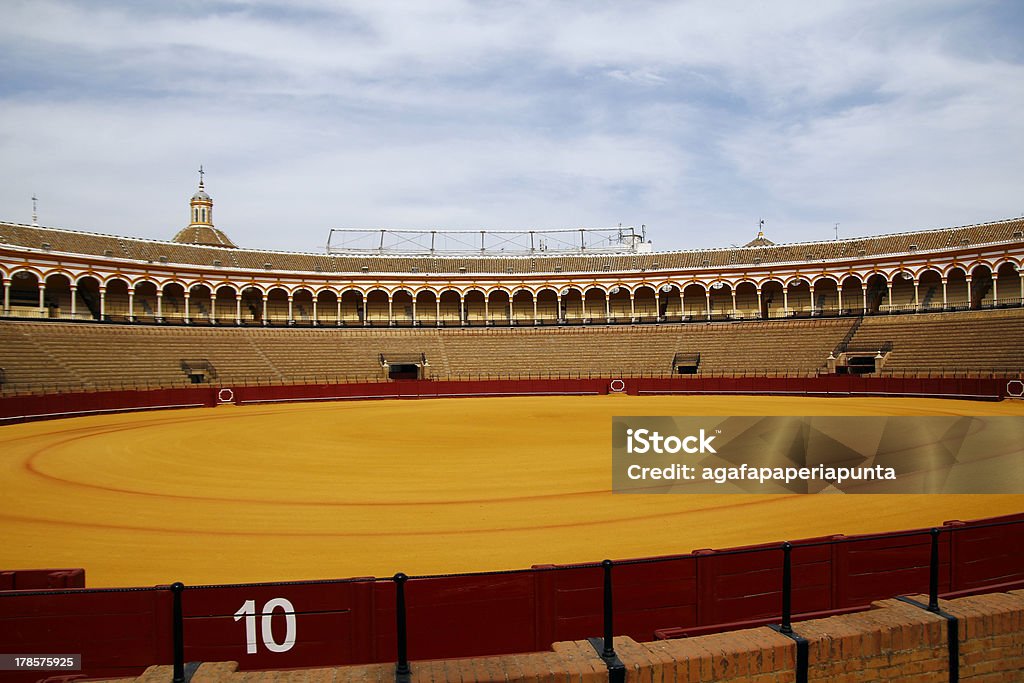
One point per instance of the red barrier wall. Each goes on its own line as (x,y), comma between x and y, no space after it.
(282,625)
(21,408)
(34,579)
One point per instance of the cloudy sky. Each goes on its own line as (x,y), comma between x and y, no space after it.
(694,118)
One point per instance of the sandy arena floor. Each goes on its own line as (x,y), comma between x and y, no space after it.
(326,490)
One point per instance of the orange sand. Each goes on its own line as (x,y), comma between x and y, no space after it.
(326,490)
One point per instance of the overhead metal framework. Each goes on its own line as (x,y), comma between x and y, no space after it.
(620,239)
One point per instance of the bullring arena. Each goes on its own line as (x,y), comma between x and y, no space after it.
(274,429)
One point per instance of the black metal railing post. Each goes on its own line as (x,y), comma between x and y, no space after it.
(402,671)
(787,587)
(178,632)
(605,646)
(933,578)
(609,615)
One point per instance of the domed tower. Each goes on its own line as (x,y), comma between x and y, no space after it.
(200,230)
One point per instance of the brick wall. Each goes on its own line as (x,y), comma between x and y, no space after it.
(893,641)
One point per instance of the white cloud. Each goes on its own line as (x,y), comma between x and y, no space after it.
(695,118)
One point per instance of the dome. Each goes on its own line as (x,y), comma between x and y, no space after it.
(201,195)
(204,235)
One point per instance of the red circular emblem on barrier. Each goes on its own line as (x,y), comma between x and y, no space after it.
(226,395)
(617,386)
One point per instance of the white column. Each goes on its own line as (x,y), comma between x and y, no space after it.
(785,301)
(811,288)
(42,299)
(632,308)
(534,297)
(917,294)
(889,298)
(511,310)
(238,308)
(159,305)
(759,309)
(970,293)
(558,300)
(103,303)
(607,308)
(864,291)
(131,304)
(487,310)
(213,307)
(707,302)
(187,297)
(391,313)
(414,310)
(316,322)
(733,301)
(995,289)
(338,320)
(7,297)
(462,310)
(839,291)
(74,292)
(291,311)
(682,311)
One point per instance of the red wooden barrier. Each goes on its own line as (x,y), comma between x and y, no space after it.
(280,625)
(41,579)
(117,632)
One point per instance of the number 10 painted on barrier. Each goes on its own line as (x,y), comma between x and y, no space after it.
(248,612)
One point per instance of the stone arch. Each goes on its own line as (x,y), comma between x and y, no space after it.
(645,303)
(595,304)
(427,304)
(401,307)
(253,304)
(523,306)
(929,289)
(903,290)
(117,300)
(57,295)
(1009,285)
(547,305)
(377,307)
(498,307)
(826,295)
(571,298)
(618,302)
(773,299)
(225,304)
(878,292)
(302,306)
(851,291)
(746,300)
(200,305)
(981,286)
(695,301)
(275,305)
(720,299)
(450,300)
(353,307)
(171,303)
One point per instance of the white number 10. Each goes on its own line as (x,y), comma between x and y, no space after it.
(248,612)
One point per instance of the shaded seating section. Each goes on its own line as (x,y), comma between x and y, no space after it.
(971,341)
(38,356)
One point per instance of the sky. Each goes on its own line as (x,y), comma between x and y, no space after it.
(695,119)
